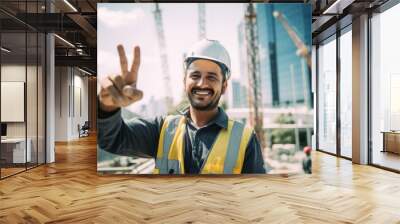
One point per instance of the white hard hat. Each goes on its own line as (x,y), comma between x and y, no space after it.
(210,50)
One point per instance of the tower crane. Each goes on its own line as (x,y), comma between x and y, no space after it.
(202,20)
(302,49)
(164,58)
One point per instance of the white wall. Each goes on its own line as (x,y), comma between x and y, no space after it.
(70,83)
(80,84)
(61,103)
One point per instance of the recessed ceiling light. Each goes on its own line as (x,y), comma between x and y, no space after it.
(64,40)
(337,7)
(84,71)
(70,5)
(5,50)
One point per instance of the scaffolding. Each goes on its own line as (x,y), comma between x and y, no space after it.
(253,66)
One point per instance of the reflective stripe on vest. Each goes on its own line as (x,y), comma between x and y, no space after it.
(167,135)
(225,157)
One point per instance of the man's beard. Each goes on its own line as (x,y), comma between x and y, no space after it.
(209,106)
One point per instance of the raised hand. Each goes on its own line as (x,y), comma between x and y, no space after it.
(120,90)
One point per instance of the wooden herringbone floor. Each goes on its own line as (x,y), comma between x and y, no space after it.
(70,191)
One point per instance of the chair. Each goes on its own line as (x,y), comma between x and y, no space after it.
(84,130)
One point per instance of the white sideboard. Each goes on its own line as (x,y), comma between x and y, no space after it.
(18,145)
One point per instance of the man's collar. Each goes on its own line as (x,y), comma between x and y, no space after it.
(221,119)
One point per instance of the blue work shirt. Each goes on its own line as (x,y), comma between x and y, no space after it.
(140,137)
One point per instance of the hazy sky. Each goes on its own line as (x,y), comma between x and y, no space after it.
(133,24)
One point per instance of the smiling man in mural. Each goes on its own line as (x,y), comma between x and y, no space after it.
(200,140)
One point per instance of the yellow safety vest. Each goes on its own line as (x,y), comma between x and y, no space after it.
(226,155)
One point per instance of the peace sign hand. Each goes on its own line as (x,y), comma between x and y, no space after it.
(120,90)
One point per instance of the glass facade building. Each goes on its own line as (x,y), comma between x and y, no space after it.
(240,85)
(239,97)
(285,78)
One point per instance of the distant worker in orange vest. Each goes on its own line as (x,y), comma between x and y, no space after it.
(307,163)
(202,140)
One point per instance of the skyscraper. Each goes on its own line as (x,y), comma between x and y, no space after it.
(285,77)
(268,63)
(243,76)
(239,94)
